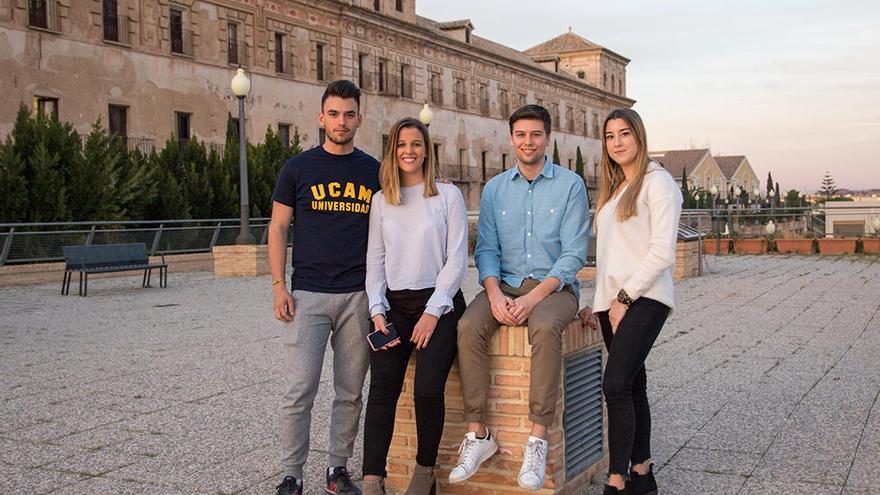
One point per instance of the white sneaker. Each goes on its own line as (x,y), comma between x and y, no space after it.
(531,476)
(473,452)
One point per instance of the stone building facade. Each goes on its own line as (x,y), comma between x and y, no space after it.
(152,69)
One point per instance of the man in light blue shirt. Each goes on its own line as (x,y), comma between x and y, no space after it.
(531,242)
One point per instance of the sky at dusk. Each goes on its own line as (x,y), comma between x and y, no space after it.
(794,86)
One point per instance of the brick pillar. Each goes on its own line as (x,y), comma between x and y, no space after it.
(241,260)
(509,362)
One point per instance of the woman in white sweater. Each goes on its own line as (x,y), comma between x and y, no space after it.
(636,226)
(416,260)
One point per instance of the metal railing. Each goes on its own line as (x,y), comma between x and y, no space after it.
(43,242)
(237,53)
(117,29)
(458,172)
(182,42)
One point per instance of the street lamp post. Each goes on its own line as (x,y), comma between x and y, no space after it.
(426,116)
(241,86)
(716,217)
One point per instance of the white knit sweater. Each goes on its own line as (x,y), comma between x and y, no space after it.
(638,255)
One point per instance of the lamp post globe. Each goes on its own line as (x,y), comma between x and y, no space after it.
(426,115)
(714,190)
(770,228)
(241,87)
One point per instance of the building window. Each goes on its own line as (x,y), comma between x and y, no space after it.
(44,14)
(484,99)
(620,86)
(280,66)
(503,103)
(483,165)
(319,61)
(181,39)
(467,36)
(322,136)
(520,100)
(383,75)
(118,120)
(384,144)
(181,126)
(46,105)
(284,135)
(436,88)
(539,102)
(405,81)
(569,164)
(613,84)
(596,125)
(569,119)
(377,5)
(110,17)
(582,74)
(398,4)
(605,80)
(362,70)
(437,156)
(586,129)
(503,161)
(232,44)
(460,96)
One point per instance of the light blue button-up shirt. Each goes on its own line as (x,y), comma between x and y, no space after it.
(533,230)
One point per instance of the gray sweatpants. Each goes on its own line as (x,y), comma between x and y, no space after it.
(342,318)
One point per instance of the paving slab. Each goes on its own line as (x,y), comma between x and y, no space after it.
(764,380)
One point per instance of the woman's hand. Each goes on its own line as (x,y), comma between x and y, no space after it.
(423,330)
(380,324)
(588,319)
(616,313)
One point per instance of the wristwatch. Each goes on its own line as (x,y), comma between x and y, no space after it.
(623,298)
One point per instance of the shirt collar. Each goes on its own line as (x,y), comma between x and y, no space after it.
(548,171)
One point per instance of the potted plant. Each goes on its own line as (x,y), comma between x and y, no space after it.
(755,245)
(802,245)
(716,245)
(836,245)
(871,245)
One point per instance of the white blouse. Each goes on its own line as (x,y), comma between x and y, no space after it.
(418,244)
(638,255)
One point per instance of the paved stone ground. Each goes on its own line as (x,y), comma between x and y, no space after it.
(764,380)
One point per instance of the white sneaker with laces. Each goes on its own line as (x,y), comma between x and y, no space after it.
(531,475)
(473,452)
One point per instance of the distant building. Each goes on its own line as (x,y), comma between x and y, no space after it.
(738,172)
(702,170)
(151,70)
(850,218)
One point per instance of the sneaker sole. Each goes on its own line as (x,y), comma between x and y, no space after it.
(483,459)
(534,489)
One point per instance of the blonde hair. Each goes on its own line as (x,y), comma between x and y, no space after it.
(389,172)
(612,174)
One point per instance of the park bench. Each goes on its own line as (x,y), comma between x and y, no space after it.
(107,258)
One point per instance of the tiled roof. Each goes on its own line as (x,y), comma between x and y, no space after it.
(564,43)
(729,164)
(461,23)
(676,160)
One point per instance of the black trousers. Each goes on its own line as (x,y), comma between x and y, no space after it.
(625,382)
(387,372)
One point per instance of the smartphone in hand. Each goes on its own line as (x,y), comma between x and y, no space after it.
(378,340)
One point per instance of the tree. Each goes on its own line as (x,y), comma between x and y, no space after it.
(579,163)
(769,183)
(13,188)
(93,179)
(555,153)
(792,198)
(48,194)
(685,190)
(778,197)
(829,189)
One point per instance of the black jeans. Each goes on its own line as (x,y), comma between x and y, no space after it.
(625,382)
(387,372)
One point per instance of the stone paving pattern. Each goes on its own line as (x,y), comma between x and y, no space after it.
(764,380)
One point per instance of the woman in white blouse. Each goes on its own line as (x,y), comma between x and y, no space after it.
(636,230)
(416,260)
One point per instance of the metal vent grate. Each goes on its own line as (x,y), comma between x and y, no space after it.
(582,419)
